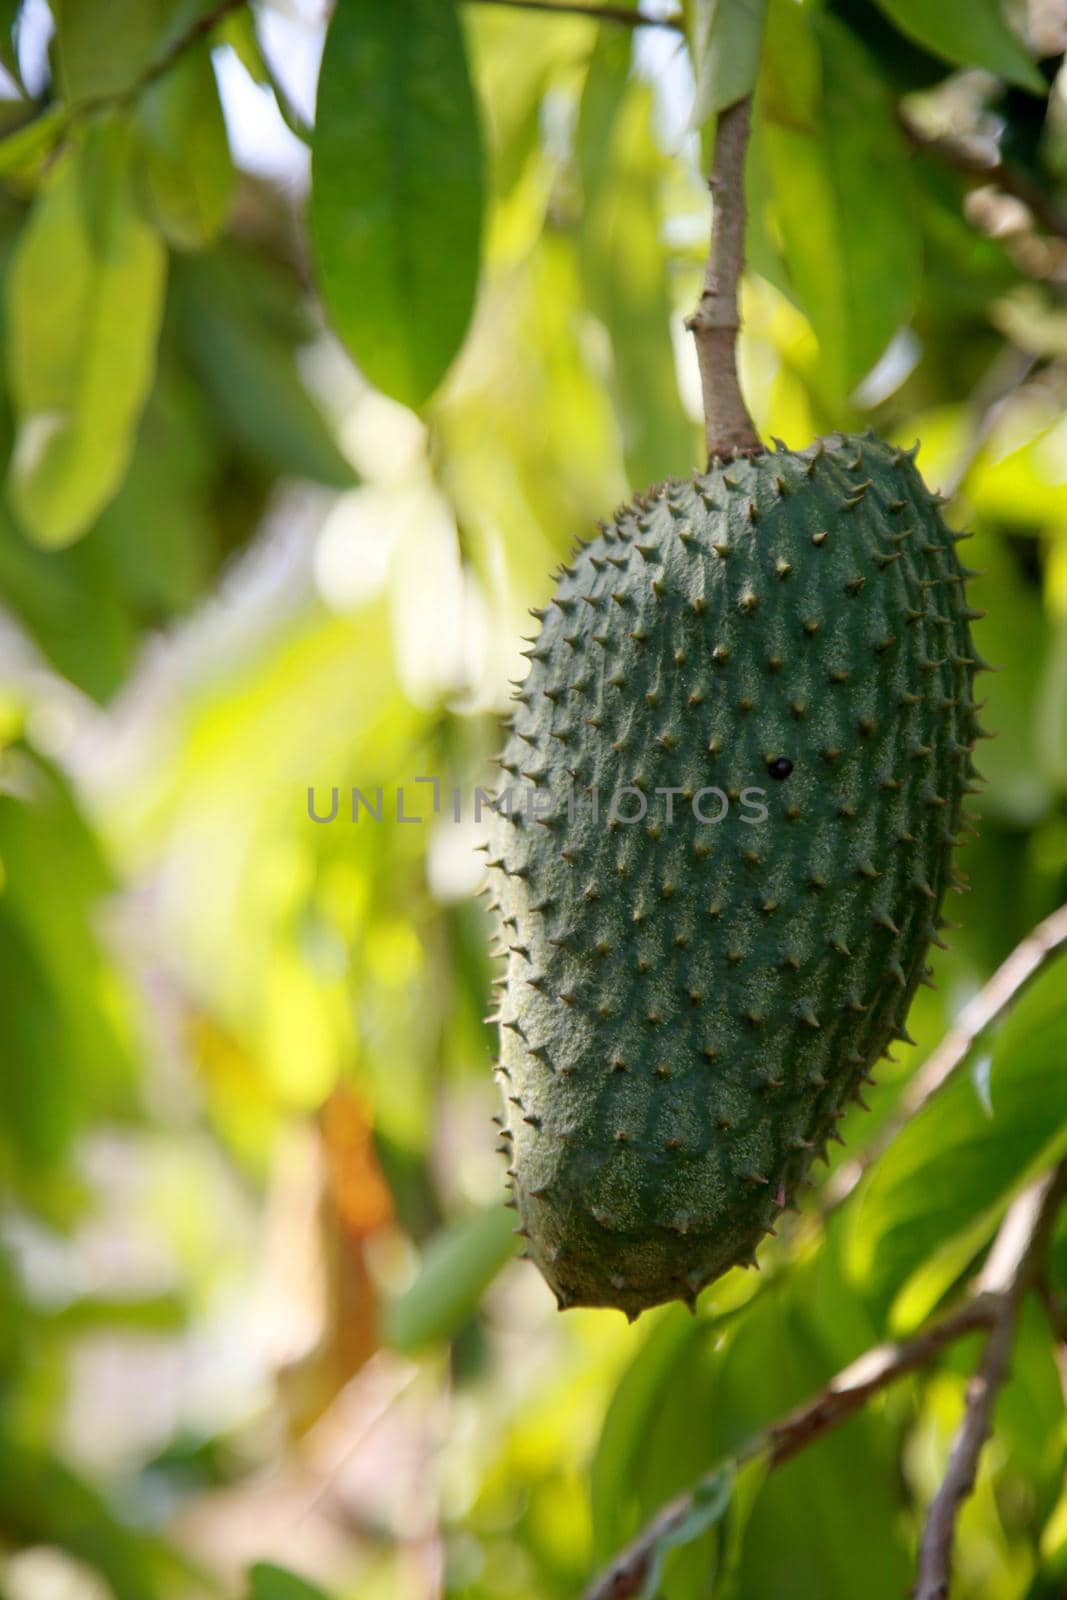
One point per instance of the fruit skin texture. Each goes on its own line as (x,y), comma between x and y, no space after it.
(689,1007)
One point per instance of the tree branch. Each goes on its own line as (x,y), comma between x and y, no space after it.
(988,1006)
(586,8)
(1013,1264)
(715,323)
(1023,1242)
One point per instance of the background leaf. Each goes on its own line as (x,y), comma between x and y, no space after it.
(268,1582)
(84,298)
(458,1267)
(972,36)
(624,263)
(934,1197)
(725,38)
(836,172)
(185,153)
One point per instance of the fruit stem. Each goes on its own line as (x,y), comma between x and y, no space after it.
(714,324)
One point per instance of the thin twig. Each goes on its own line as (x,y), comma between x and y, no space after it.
(987,1007)
(1014,1262)
(715,322)
(1025,1233)
(585,8)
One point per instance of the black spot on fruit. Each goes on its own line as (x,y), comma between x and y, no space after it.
(780,767)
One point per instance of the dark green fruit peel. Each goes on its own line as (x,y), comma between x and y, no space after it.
(689,1005)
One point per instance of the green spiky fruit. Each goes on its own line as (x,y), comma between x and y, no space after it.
(691,1003)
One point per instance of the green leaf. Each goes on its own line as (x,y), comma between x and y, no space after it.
(621,1450)
(971,35)
(67,1045)
(1013,635)
(459,1265)
(711,1500)
(268,1582)
(240,333)
(837,175)
(147,1314)
(238,30)
(725,38)
(935,1196)
(84,300)
(184,151)
(23,150)
(43,1502)
(397,189)
(822,1525)
(103,62)
(10,18)
(624,263)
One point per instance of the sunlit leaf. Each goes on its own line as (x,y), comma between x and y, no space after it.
(835,180)
(84,299)
(396,196)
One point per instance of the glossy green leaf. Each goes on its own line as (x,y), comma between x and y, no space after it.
(934,1198)
(397,190)
(268,1582)
(184,151)
(459,1265)
(84,300)
(972,35)
(837,176)
(725,38)
(624,264)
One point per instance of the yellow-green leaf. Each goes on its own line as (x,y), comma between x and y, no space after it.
(84,299)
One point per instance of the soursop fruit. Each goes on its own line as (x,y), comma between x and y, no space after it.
(733,784)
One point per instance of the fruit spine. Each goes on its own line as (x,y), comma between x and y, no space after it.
(690,1003)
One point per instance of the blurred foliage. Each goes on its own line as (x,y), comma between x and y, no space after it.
(261,1333)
